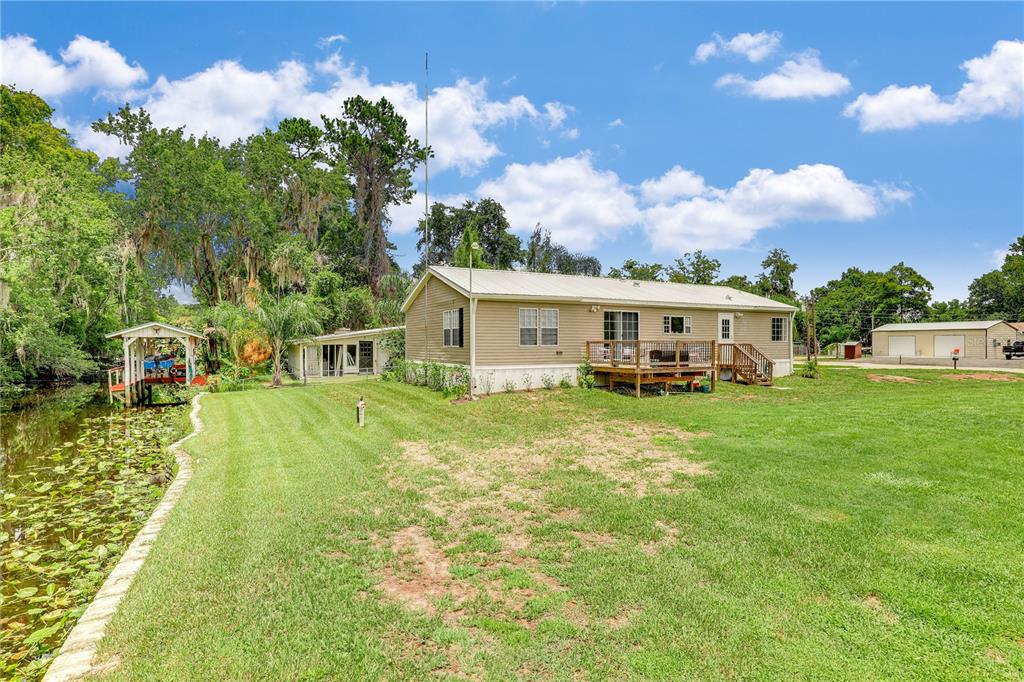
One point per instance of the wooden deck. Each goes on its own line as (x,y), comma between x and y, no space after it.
(639,362)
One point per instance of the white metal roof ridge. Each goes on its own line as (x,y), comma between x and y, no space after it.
(922,326)
(518,284)
(345,335)
(144,325)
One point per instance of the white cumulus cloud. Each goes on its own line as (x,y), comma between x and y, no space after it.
(584,206)
(994,87)
(227,100)
(729,218)
(580,204)
(754,47)
(617,123)
(85,63)
(677,183)
(801,77)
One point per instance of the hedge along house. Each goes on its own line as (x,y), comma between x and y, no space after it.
(520,328)
(975,339)
(340,353)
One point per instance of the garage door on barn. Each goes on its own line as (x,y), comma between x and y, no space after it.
(902,345)
(946,343)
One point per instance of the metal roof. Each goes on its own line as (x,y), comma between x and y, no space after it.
(338,336)
(130,331)
(530,286)
(937,326)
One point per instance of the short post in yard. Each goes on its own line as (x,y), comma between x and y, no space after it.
(361,412)
(955,355)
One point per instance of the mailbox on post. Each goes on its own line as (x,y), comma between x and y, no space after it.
(954,356)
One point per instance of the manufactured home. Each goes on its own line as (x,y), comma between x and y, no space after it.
(341,353)
(524,329)
(973,338)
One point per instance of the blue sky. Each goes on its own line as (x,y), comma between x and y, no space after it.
(846,134)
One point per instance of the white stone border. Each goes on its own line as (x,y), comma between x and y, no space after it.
(75,659)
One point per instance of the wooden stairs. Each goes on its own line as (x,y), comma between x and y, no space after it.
(750,365)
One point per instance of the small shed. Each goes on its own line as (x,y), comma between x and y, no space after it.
(852,350)
(340,353)
(131,381)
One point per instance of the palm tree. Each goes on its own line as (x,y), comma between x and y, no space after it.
(292,317)
(235,324)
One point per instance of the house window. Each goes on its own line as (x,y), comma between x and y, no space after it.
(452,331)
(779,329)
(548,327)
(528,326)
(726,323)
(678,324)
(620,326)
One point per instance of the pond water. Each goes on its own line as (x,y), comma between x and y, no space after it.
(78,478)
(45,418)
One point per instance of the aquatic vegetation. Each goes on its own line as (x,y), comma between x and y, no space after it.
(66,520)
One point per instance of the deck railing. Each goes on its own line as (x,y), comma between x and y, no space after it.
(652,354)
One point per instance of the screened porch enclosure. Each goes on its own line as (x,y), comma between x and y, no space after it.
(340,359)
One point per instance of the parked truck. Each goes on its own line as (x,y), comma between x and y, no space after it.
(1014,350)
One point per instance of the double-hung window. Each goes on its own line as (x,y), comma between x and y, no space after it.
(549,326)
(678,324)
(780,330)
(528,326)
(452,329)
(538,326)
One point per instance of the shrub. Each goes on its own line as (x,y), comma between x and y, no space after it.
(487,382)
(510,385)
(451,380)
(565,383)
(548,380)
(585,373)
(810,370)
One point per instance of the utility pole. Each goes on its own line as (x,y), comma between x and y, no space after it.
(814,325)
(807,326)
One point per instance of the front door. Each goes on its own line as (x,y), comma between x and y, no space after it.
(726,328)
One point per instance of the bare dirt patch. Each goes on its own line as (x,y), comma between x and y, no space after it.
(492,499)
(892,379)
(982,376)
(424,572)
(873,602)
(594,540)
(669,538)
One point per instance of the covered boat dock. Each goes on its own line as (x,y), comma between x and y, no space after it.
(132,382)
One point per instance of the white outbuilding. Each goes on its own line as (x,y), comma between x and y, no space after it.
(973,339)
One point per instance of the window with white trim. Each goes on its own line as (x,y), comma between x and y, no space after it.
(450,323)
(678,324)
(549,326)
(780,329)
(528,320)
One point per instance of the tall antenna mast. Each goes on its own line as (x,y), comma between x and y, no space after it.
(426,199)
(426,160)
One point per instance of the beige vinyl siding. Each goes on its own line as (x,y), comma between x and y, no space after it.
(423,324)
(978,343)
(756,328)
(497,334)
(497,331)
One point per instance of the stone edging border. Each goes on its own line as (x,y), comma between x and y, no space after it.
(75,659)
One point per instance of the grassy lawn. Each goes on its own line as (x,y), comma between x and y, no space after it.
(845,528)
